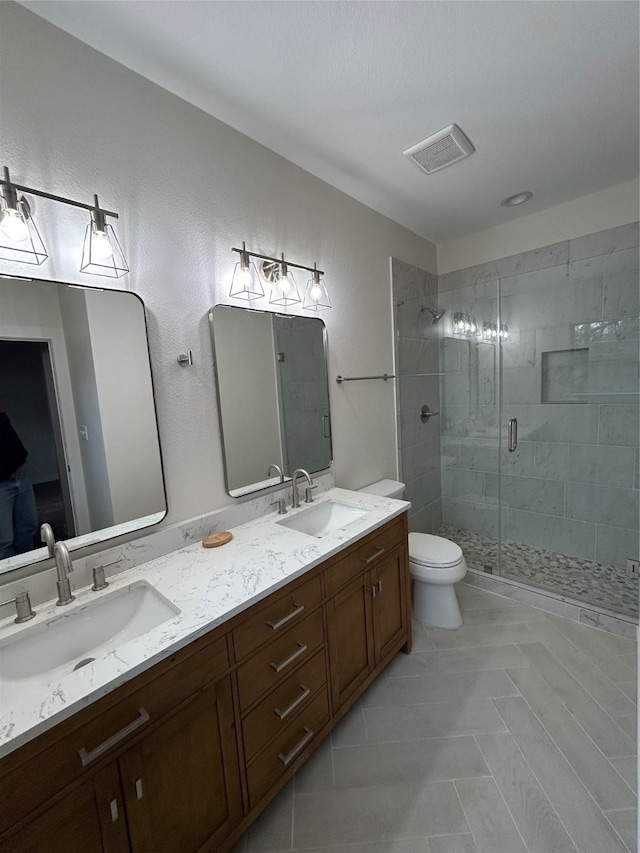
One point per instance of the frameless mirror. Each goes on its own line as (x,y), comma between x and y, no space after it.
(273,395)
(79,444)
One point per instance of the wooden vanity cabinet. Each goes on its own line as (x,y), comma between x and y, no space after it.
(185,756)
(148,768)
(89,819)
(180,783)
(368,616)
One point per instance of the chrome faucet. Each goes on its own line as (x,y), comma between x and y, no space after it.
(63,567)
(47,538)
(278,470)
(295,499)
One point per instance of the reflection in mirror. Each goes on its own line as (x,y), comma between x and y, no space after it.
(79,444)
(273,395)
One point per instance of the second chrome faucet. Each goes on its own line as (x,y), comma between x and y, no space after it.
(295,498)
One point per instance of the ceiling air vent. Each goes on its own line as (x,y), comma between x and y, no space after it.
(440,149)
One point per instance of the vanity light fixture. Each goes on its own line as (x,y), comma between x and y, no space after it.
(19,238)
(246,282)
(276,272)
(316,297)
(491,332)
(465,325)
(101,252)
(284,290)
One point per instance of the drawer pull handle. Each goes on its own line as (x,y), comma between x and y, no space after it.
(87,756)
(298,608)
(113,808)
(288,758)
(139,789)
(302,648)
(305,692)
(375,556)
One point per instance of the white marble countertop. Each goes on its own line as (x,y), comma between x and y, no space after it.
(209,586)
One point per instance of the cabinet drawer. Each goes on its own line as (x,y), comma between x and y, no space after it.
(366,555)
(276,616)
(287,748)
(276,711)
(102,730)
(276,661)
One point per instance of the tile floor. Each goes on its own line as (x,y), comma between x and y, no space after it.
(513,734)
(583,580)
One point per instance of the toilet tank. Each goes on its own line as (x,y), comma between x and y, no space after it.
(385,489)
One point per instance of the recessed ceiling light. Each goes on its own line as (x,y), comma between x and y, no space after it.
(515,200)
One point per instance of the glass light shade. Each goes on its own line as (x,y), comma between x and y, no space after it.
(284,290)
(101,252)
(20,240)
(246,282)
(316,297)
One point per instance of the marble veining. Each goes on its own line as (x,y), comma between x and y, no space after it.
(209,586)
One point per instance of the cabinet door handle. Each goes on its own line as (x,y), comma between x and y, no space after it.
(113,809)
(87,756)
(283,664)
(375,556)
(379,586)
(139,789)
(297,608)
(373,590)
(288,758)
(305,692)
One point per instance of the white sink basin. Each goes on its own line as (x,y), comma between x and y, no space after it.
(324,518)
(47,651)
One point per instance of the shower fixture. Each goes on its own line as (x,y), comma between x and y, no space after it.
(437,315)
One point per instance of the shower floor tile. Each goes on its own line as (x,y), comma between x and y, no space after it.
(593,583)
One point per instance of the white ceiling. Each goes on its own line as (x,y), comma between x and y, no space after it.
(546,91)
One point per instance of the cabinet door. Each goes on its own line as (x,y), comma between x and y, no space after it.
(181,783)
(350,640)
(90,819)
(389,581)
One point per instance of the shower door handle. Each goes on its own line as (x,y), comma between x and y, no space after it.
(326,428)
(512,434)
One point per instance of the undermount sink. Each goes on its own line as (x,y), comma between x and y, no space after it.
(78,635)
(324,518)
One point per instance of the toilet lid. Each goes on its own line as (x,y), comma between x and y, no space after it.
(429,550)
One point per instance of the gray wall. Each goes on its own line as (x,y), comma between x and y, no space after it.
(224,188)
(417,369)
(573,313)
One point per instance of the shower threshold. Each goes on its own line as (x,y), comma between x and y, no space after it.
(583,580)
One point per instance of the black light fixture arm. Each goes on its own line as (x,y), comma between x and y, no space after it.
(277,260)
(7,182)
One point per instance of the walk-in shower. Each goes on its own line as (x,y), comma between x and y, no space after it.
(537,438)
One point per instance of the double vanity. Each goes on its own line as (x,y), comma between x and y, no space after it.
(166,711)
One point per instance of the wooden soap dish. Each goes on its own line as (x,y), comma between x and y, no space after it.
(217,539)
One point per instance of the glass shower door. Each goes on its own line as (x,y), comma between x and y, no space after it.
(469,405)
(568,479)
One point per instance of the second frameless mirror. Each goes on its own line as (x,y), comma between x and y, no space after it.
(273,395)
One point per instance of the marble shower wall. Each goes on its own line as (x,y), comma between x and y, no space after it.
(417,368)
(570,377)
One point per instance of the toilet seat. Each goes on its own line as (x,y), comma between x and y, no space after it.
(433,552)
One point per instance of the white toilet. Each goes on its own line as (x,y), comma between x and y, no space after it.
(436,564)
